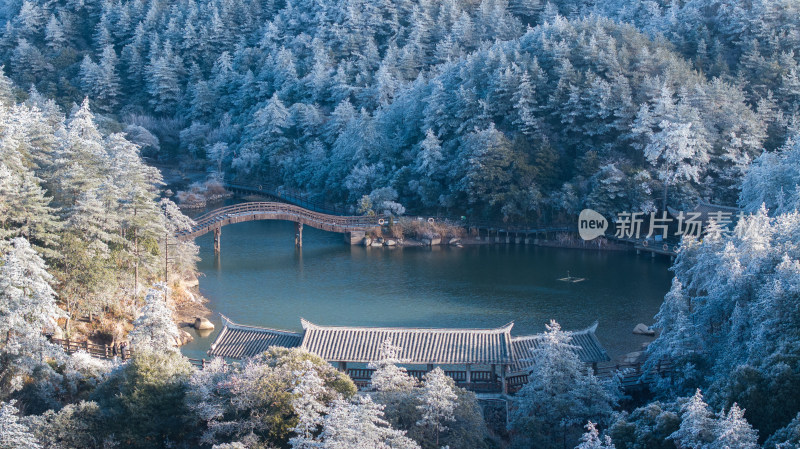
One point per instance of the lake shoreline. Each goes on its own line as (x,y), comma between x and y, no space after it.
(262,279)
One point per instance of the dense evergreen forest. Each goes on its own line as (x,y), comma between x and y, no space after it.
(505,109)
(514,109)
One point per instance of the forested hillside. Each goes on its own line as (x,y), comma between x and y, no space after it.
(503,109)
(81,196)
(513,109)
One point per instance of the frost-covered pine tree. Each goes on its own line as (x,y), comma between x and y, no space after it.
(773,180)
(242,402)
(25,211)
(591,439)
(439,401)
(308,407)
(27,310)
(154,329)
(163,80)
(525,106)
(184,254)
(733,431)
(388,377)
(360,423)
(90,74)
(91,219)
(204,399)
(13,433)
(141,218)
(678,153)
(698,424)
(561,392)
(79,159)
(430,155)
(108,81)
(54,33)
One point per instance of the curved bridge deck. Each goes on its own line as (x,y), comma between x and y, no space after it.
(238,213)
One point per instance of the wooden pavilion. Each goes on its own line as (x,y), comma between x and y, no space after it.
(489,360)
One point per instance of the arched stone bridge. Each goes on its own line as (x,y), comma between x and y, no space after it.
(353,227)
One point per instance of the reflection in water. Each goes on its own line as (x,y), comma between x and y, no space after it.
(217,262)
(203,333)
(266,281)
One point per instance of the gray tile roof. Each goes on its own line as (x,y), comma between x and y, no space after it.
(419,346)
(709,211)
(587,346)
(237,341)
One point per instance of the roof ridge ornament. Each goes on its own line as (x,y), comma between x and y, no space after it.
(230,324)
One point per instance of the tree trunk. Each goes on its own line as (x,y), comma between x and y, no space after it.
(135,264)
(166,260)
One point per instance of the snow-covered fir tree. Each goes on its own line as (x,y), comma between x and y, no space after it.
(561,392)
(698,424)
(591,439)
(13,433)
(733,430)
(359,423)
(154,329)
(309,391)
(388,377)
(438,402)
(27,311)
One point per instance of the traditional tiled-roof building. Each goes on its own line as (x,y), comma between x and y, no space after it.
(471,355)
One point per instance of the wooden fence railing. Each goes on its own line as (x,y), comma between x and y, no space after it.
(109,352)
(632,376)
(93,349)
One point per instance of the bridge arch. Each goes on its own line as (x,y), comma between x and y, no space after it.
(214,220)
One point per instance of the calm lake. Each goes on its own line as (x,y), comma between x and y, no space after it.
(261,279)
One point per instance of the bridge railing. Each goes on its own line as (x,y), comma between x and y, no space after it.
(212,219)
(274,207)
(340,223)
(303,200)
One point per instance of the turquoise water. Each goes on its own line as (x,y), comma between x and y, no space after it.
(262,279)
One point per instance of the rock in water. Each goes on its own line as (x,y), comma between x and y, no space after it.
(183,338)
(641,329)
(632,357)
(202,324)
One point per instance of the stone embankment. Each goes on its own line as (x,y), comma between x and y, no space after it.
(433,241)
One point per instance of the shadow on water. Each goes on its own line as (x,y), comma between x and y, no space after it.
(262,279)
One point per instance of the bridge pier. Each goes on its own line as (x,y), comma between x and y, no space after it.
(217,238)
(298,234)
(354,237)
